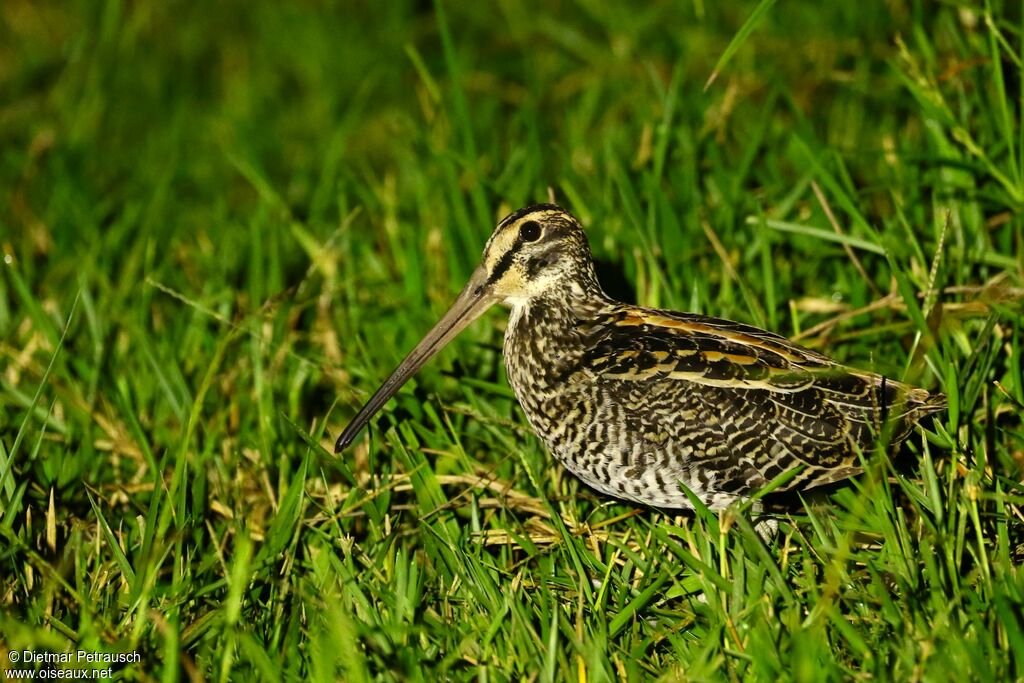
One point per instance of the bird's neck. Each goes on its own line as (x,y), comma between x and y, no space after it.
(564,306)
(553,324)
(545,343)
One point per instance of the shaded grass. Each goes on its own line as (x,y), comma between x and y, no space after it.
(259,208)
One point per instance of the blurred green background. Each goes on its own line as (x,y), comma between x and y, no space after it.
(223,223)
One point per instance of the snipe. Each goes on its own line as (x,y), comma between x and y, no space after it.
(635,401)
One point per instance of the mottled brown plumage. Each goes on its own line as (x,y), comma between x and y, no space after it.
(637,401)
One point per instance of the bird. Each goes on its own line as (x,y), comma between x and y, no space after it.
(646,405)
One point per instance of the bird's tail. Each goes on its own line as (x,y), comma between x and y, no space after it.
(924,402)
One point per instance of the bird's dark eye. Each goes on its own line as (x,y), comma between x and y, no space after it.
(529,231)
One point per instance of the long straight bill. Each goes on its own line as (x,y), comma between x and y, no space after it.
(475,298)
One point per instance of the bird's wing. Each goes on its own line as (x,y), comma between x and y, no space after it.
(638,344)
(641,344)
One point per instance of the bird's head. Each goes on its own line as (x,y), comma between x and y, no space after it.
(533,252)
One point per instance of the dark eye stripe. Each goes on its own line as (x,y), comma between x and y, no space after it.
(529,231)
(503,264)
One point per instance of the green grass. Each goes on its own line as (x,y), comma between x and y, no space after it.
(225,224)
